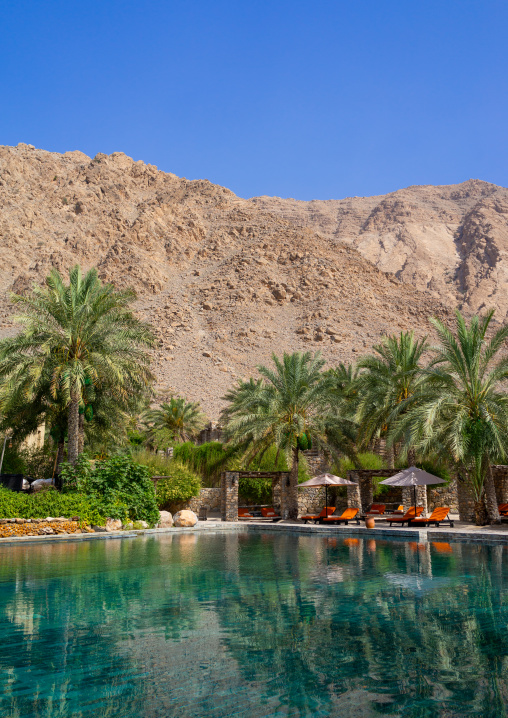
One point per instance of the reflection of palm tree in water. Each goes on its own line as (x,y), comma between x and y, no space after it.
(297,636)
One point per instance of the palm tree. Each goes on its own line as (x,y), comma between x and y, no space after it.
(76,336)
(177,420)
(281,409)
(463,410)
(385,382)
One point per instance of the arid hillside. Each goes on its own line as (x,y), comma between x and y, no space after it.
(451,241)
(226,281)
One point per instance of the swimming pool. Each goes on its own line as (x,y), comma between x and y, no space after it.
(253,624)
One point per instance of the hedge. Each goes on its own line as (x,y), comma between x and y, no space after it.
(49,502)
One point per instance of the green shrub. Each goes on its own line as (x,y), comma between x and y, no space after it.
(50,502)
(180,485)
(120,479)
(123,485)
(73,477)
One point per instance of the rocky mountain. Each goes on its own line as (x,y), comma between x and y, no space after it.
(450,241)
(227,281)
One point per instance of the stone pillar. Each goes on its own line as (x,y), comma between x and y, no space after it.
(466,502)
(408,497)
(229,495)
(353,496)
(276,494)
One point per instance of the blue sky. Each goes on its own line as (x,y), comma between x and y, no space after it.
(296,99)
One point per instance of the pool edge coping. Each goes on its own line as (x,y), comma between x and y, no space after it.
(420,535)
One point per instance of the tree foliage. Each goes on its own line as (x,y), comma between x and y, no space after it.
(178,420)
(462,412)
(77,339)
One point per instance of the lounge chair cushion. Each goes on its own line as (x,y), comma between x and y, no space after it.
(347,515)
(269,514)
(410,514)
(439,514)
(327,511)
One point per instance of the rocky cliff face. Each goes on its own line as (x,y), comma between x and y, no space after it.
(450,241)
(227,281)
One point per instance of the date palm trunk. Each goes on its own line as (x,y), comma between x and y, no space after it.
(292,502)
(480,513)
(59,455)
(81,437)
(73,433)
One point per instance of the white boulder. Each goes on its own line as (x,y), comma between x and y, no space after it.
(165,520)
(185,518)
(113,524)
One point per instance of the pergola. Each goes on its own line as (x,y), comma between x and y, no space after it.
(229,491)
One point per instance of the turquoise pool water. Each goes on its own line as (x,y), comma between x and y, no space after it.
(267,624)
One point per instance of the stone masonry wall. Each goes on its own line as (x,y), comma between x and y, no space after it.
(444,496)
(466,503)
(206,497)
(229,495)
(500,474)
(312,499)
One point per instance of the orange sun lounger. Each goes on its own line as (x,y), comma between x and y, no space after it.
(376,509)
(269,513)
(438,516)
(503,509)
(410,514)
(327,511)
(347,515)
(244,514)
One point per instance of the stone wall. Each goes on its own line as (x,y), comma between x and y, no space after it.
(500,474)
(206,497)
(444,496)
(408,498)
(312,499)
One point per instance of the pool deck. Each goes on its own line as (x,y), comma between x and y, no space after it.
(461,532)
